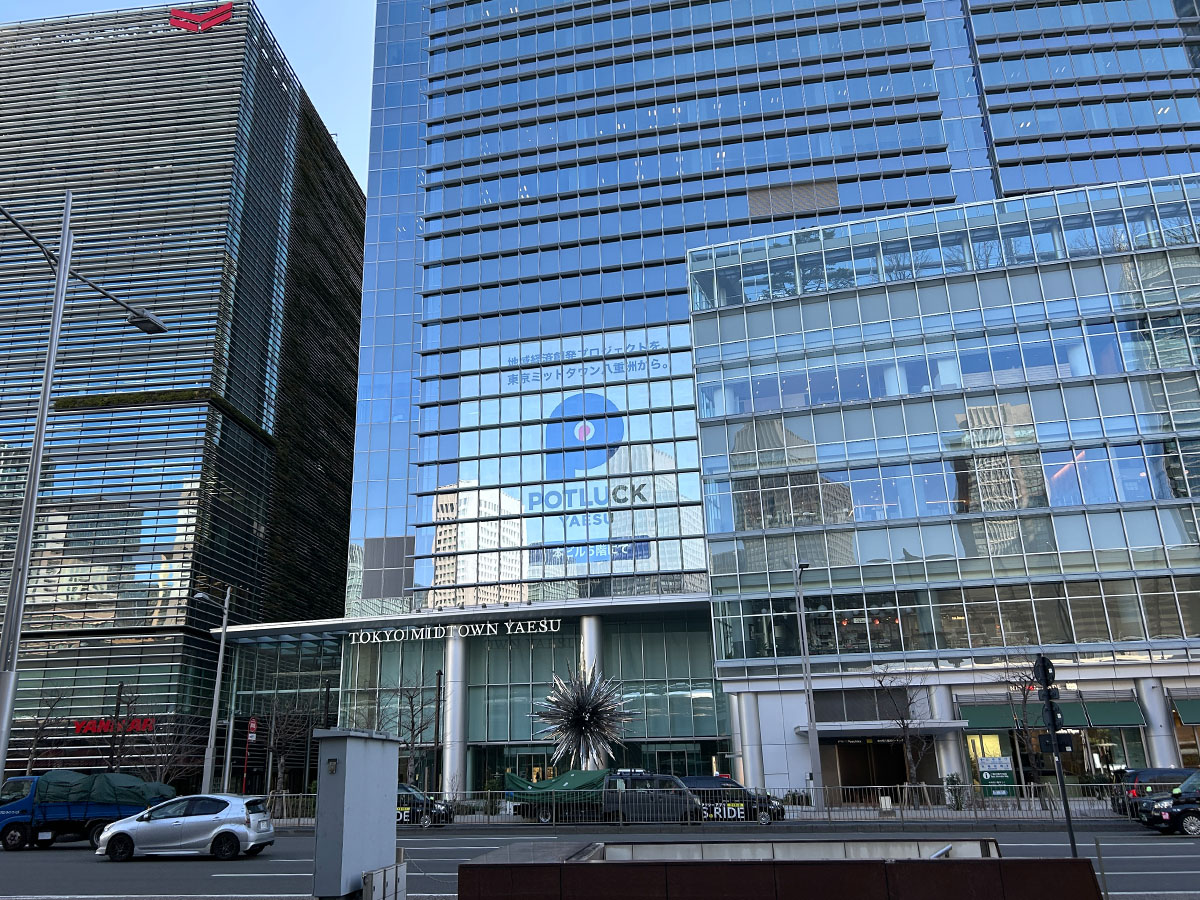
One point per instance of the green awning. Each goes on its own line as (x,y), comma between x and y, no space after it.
(1114,713)
(1003,716)
(987,717)
(1073,714)
(1189,711)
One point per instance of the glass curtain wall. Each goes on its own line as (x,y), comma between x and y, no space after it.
(1045,434)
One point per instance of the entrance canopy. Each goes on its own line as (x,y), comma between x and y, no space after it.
(879,728)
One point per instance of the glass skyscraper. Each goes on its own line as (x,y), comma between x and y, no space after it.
(216,455)
(552,418)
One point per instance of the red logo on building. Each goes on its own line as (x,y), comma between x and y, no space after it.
(188,21)
(105,726)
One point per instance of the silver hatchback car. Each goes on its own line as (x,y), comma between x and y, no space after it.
(221,824)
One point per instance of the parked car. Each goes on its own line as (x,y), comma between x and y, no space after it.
(1182,816)
(413,807)
(1175,811)
(37,810)
(1136,784)
(724,800)
(223,825)
(626,795)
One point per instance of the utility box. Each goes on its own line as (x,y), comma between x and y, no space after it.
(356,809)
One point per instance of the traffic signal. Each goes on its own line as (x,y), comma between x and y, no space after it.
(1043,671)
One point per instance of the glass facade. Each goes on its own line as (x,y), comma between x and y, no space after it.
(214,455)
(664,665)
(994,400)
(974,423)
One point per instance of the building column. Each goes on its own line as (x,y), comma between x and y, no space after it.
(591,656)
(454,728)
(895,381)
(591,643)
(1161,745)
(752,759)
(948,747)
(735,731)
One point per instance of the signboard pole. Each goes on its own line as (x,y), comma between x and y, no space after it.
(1043,673)
(251,734)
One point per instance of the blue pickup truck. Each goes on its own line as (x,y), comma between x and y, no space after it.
(36,810)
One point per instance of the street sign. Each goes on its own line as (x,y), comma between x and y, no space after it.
(1066,743)
(1043,671)
(996,776)
(1052,715)
(253,725)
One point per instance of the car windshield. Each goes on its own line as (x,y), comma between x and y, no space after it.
(256,807)
(14,790)
(1192,783)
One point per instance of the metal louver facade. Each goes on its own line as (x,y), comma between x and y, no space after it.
(207,189)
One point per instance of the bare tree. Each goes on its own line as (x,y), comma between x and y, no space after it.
(407,711)
(290,729)
(126,700)
(1021,687)
(49,727)
(895,698)
(172,752)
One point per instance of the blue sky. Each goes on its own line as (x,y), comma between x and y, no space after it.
(329,44)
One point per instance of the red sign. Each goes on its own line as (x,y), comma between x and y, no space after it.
(140,724)
(253,726)
(188,21)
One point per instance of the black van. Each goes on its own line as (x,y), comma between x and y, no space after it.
(724,800)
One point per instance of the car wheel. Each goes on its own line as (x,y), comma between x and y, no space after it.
(544,816)
(256,849)
(425,821)
(120,848)
(225,846)
(764,817)
(14,837)
(1189,824)
(94,834)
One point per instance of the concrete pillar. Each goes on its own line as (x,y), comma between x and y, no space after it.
(948,748)
(1077,359)
(735,731)
(895,381)
(1161,746)
(948,372)
(591,656)
(454,714)
(752,758)
(591,643)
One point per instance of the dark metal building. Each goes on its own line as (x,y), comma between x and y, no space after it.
(206,188)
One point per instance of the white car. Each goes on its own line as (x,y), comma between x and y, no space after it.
(221,824)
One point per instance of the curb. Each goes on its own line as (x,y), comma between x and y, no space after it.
(998,826)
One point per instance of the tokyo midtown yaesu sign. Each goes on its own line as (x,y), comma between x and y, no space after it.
(471,629)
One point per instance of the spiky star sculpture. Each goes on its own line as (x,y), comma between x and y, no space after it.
(583,715)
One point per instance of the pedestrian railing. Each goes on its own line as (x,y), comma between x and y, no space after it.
(292,809)
(700,808)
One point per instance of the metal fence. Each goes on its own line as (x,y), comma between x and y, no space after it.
(700,808)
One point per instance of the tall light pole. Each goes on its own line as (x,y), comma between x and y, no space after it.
(814,745)
(210,747)
(14,611)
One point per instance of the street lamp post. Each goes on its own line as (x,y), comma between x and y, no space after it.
(210,747)
(14,611)
(814,746)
